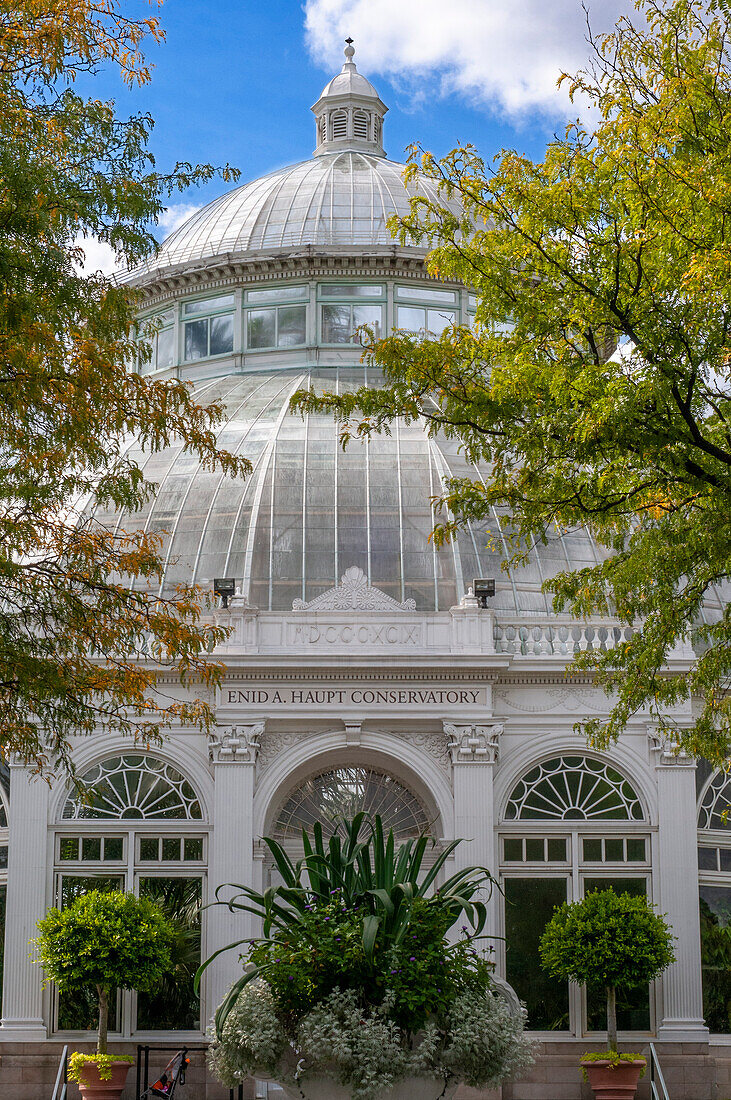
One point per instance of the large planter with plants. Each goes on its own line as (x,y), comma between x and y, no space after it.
(107,941)
(355,990)
(608,941)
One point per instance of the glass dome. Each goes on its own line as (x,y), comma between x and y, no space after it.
(336,199)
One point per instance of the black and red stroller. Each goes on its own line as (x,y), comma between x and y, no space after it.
(172,1076)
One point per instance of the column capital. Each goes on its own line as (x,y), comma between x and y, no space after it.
(474,743)
(236,744)
(666,747)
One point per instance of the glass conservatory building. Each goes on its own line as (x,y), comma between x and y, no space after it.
(361,671)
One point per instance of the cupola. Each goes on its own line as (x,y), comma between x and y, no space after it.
(349,113)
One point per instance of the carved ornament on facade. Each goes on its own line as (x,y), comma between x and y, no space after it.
(665,744)
(354,593)
(237,744)
(473,743)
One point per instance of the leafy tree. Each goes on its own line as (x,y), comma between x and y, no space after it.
(607,941)
(78,602)
(619,237)
(108,940)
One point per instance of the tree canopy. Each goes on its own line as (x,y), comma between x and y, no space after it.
(73,393)
(619,239)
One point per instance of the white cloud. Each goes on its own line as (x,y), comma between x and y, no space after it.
(98,256)
(506,56)
(174,216)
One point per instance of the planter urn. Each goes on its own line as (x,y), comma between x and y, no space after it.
(92,1087)
(614,1080)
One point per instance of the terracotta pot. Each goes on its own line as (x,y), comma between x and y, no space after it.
(614,1080)
(411,1088)
(92,1087)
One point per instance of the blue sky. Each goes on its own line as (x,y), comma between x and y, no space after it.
(235,79)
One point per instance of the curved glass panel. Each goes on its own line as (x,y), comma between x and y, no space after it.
(716,803)
(574,788)
(331,795)
(134,786)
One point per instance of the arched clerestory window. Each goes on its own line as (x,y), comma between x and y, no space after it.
(571,824)
(137,824)
(714,887)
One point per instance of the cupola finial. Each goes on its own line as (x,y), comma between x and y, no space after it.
(349,51)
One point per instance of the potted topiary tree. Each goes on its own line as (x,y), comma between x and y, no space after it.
(107,941)
(608,941)
(355,990)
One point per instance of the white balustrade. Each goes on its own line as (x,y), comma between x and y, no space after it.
(558,637)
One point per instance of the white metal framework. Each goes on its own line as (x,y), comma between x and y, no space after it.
(134,786)
(576,788)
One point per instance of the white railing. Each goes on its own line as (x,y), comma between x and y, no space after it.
(557,637)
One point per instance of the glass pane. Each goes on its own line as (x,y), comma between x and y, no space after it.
(150,847)
(171,847)
(633,1005)
(193,848)
(513,848)
(196,340)
(347,290)
(725,855)
(91,847)
(113,847)
(174,1005)
(369,315)
(557,848)
(529,905)
(636,849)
(261,328)
(337,327)
(291,326)
(78,1011)
(165,347)
(592,848)
(534,848)
(421,294)
(222,334)
(614,849)
(209,305)
(410,318)
(3,856)
(69,847)
(276,294)
(715,903)
(439,319)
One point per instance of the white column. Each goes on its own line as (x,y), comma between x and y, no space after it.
(676,895)
(231,851)
(26,903)
(474,752)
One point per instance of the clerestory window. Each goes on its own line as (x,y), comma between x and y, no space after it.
(208,327)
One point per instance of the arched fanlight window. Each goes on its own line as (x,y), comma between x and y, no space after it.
(339,124)
(574,788)
(344,791)
(360,125)
(715,808)
(134,786)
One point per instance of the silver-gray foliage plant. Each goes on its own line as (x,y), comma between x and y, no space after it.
(366,1051)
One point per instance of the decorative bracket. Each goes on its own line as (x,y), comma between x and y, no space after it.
(480,744)
(352,733)
(235,744)
(668,750)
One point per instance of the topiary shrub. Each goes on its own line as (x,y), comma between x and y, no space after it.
(607,941)
(108,940)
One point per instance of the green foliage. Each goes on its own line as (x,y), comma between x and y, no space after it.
(108,940)
(716,969)
(613,1057)
(619,236)
(377,886)
(607,940)
(72,622)
(103,1062)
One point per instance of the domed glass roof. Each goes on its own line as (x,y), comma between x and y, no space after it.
(310,510)
(338,199)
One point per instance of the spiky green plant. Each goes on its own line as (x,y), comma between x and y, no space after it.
(370,874)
